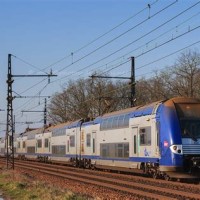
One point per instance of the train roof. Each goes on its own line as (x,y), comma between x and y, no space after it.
(87,123)
(66,125)
(58,126)
(132,112)
(33,131)
(177,100)
(146,109)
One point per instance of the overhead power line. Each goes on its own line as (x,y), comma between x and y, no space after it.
(26,62)
(172,39)
(102,35)
(171,19)
(161,58)
(105,44)
(146,43)
(146,34)
(117,26)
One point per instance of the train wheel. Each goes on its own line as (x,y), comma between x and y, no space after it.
(167,178)
(155,175)
(74,163)
(93,167)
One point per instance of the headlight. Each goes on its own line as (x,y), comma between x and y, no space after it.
(175,147)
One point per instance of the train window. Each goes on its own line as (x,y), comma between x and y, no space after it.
(31,149)
(119,150)
(109,124)
(126,150)
(59,149)
(145,135)
(104,150)
(135,143)
(190,128)
(121,121)
(46,143)
(126,120)
(58,132)
(67,145)
(93,147)
(88,140)
(185,110)
(39,143)
(72,141)
(115,122)
(104,124)
(24,144)
(114,150)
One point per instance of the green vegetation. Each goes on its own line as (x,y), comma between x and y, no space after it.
(18,187)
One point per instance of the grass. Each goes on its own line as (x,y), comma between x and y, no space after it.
(18,187)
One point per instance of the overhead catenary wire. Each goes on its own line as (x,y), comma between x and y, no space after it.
(170,40)
(173,38)
(168,55)
(146,43)
(153,30)
(26,62)
(102,35)
(140,54)
(112,40)
(182,12)
(115,27)
(163,57)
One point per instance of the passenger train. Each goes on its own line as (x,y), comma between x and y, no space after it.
(156,139)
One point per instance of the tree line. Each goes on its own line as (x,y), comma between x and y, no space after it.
(89,98)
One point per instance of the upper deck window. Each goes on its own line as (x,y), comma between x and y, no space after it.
(114,122)
(58,132)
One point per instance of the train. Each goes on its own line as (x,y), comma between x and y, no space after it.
(159,139)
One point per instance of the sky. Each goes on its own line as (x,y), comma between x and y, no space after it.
(75,38)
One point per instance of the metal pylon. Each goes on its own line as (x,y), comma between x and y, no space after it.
(10,125)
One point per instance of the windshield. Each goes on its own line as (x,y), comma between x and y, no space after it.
(189,116)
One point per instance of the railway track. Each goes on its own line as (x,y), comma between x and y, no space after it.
(140,187)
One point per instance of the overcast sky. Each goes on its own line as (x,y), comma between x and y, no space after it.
(75,38)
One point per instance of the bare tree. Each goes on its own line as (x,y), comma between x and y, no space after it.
(85,98)
(57,109)
(187,71)
(182,79)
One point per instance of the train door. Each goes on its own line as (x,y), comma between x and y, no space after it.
(68,142)
(146,144)
(94,146)
(49,145)
(135,145)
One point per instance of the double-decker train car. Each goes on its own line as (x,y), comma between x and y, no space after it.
(157,139)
